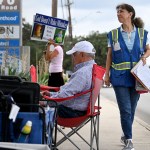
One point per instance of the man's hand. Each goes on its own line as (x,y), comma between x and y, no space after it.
(46,93)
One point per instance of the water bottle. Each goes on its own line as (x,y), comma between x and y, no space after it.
(25,132)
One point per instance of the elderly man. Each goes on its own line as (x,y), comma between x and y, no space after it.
(83,54)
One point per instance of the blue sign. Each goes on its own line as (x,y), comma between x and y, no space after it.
(51,21)
(10,18)
(8,42)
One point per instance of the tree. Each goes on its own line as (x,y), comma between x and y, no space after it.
(26,30)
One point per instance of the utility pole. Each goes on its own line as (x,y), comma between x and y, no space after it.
(54,8)
(69,19)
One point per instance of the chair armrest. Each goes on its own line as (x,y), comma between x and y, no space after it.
(44,88)
(66,98)
(97,107)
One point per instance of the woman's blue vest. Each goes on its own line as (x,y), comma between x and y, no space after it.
(123,60)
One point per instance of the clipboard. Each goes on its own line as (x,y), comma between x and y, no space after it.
(142,74)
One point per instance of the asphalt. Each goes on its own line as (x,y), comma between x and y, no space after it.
(110,131)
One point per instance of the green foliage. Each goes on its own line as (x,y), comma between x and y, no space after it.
(25,76)
(26,33)
(43,79)
(22,75)
(12,71)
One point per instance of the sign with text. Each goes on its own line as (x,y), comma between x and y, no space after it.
(46,27)
(11,32)
(9,5)
(10,23)
(10,18)
(10,42)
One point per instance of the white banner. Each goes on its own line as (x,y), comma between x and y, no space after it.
(47,27)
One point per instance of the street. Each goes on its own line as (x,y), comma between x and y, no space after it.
(143,108)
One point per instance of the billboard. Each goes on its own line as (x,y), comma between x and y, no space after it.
(10,27)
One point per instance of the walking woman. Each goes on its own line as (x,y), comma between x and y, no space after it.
(125,49)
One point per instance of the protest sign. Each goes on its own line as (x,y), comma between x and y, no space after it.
(46,27)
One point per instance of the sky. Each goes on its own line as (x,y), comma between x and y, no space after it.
(87,15)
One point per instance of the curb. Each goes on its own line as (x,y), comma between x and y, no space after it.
(138,120)
(142,123)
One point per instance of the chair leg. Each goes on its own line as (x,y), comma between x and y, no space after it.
(97,131)
(65,138)
(81,137)
(54,137)
(75,130)
(71,132)
(94,132)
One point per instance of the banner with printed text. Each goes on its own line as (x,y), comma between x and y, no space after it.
(46,27)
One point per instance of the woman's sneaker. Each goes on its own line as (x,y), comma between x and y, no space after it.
(129,145)
(123,140)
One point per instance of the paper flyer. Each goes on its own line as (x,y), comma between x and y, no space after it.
(142,73)
(46,27)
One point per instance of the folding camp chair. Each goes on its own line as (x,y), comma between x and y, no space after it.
(27,96)
(92,114)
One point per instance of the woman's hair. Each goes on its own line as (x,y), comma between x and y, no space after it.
(137,21)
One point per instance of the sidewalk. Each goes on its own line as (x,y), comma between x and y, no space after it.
(110,131)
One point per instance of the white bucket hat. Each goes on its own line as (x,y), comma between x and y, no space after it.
(83,46)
